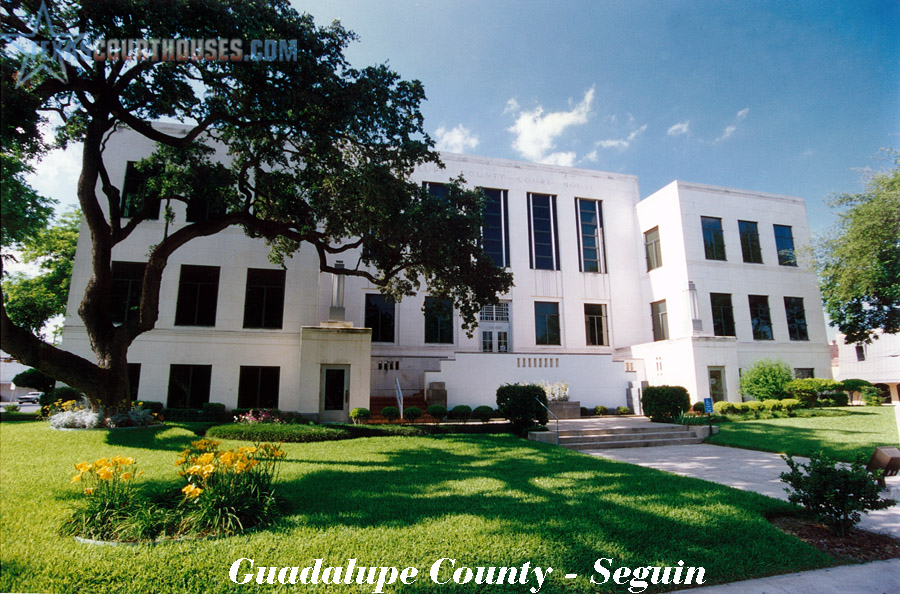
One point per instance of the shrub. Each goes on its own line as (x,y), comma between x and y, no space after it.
(519,404)
(724,407)
(601,410)
(698,407)
(77,418)
(156,407)
(360,415)
(754,406)
(62,394)
(483,413)
(840,398)
(789,405)
(33,378)
(109,498)
(624,410)
(586,412)
(259,415)
(854,385)
(390,413)
(771,404)
(664,404)
(412,413)
(833,491)
(810,390)
(872,396)
(461,412)
(438,412)
(11,408)
(138,416)
(214,411)
(766,378)
(741,408)
(279,432)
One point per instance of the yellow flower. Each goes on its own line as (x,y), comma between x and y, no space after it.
(191,491)
(205,458)
(227,457)
(127,476)
(195,469)
(104,474)
(83,466)
(89,491)
(101,462)
(128,461)
(76,478)
(208,470)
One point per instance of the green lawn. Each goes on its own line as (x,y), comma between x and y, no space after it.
(841,437)
(394,501)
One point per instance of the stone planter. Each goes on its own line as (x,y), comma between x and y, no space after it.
(565,410)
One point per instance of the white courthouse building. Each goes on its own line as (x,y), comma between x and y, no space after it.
(685,287)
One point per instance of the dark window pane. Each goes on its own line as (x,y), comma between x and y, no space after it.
(198,291)
(784,243)
(543,232)
(134,379)
(750,242)
(595,324)
(264,298)
(591,231)
(652,249)
(660,320)
(189,385)
(713,238)
(546,323)
(438,321)
(258,387)
(723,314)
(380,317)
(135,199)
(760,318)
(437,190)
(125,290)
(796,318)
(495,233)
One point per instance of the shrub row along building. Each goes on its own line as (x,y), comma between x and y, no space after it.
(685,287)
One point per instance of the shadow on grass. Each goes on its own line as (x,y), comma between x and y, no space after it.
(152,438)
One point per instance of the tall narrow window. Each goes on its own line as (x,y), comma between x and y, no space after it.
(595,330)
(495,233)
(198,292)
(135,198)
(723,314)
(784,243)
(546,323)
(264,300)
(760,318)
(713,238)
(438,321)
(380,317)
(134,380)
(189,385)
(590,230)
(652,249)
(542,234)
(125,290)
(660,320)
(796,318)
(258,387)
(750,242)
(860,352)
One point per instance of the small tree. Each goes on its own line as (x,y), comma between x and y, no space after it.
(412,413)
(766,378)
(833,491)
(32,378)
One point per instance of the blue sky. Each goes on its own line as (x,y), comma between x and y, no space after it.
(784,97)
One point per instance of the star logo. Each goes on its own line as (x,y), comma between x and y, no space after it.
(45,49)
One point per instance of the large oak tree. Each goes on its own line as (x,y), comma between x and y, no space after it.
(320,155)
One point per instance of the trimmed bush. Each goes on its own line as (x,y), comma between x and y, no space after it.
(586,412)
(872,396)
(154,407)
(724,407)
(834,491)
(518,403)
(811,390)
(766,378)
(412,413)
(741,408)
(181,414)
(437,411)
(390,413)
(840,398)
(33,378)
(624,410)
(360,415)
(483,413)
(664,404)
(601,410)
(11,408)
(214,411)
(754,406)
(278,432)
(461,412)
(698,407)
(771,404)
(855,385)
(789,405)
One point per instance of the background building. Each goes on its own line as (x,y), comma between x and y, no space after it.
(878,363)
(685,287)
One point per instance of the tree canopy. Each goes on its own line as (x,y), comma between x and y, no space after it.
(859,260)
(319,157)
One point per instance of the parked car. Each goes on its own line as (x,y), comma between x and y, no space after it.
(31,398)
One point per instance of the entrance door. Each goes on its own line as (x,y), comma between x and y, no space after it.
(335,392)
(717,384)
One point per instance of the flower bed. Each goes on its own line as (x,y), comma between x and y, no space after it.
(73,414)
(219,493)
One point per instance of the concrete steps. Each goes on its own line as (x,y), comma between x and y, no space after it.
(638,435)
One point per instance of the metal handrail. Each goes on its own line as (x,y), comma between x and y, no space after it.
(538,400)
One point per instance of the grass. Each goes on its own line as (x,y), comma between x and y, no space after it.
(842,437)
(394,501)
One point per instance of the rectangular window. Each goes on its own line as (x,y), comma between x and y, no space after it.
(653,249)
(438,321)
(784,243)
(595,324)
(723,314)
(134,380)
(660,320)
(189,385)
(258,387)
(135,199)
(495,313)
(198,292)
(487,341)
(125,290)
(542,234)
(264,299)
(590,231)
(713,238)
(750,242)
(804,372)
(203,207)
(437,190)
(380,317)
(796,318)
(495,233)
(760,318)
(860,352)
(546,323)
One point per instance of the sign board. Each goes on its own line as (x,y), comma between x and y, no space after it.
(707,406)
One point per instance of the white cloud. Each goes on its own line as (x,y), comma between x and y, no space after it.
(621,143)
(456,140)
(56,176)
(592,156)
(563,159)
(679,128)
(730,129)
(743,113)
(535,131)
(512,106)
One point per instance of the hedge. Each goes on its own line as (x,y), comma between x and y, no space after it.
(664,404)
(277,432)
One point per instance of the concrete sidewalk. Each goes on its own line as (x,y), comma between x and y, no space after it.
(880,577)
